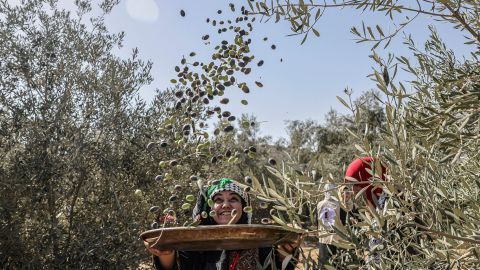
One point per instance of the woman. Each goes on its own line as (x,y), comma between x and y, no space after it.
(229,201)
(331,211)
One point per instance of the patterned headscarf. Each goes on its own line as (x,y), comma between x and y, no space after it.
(225,184)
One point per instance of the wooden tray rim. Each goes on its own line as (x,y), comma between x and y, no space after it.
(240,227)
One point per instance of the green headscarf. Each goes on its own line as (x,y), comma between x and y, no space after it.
(222,185)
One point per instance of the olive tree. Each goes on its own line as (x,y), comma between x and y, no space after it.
(73,136)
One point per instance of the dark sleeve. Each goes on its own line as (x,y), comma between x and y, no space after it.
(192,260)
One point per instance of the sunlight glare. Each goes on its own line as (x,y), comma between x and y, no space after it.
(142,10)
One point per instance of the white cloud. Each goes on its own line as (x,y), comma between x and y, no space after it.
(142,10)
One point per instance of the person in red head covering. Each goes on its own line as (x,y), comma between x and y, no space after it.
(362,171)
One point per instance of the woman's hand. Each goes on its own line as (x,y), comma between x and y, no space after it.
(288,249)
(166,257)
(286,254)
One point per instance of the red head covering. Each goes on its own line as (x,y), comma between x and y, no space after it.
(358,170)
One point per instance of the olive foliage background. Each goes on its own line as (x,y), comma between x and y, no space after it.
(428,142)
(72,140)
(83,158)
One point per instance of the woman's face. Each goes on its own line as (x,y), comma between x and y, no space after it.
(224,203)
(346,196)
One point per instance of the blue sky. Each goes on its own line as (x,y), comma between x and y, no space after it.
(303,86)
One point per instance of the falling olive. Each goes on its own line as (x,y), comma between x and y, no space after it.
(182,13)
(154,209)
(272,162)
(150,145)
(247,209)
(245,89)
(210,202)
(159,178)
(178,105)
(226,114)
(224,100)
(179,94)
